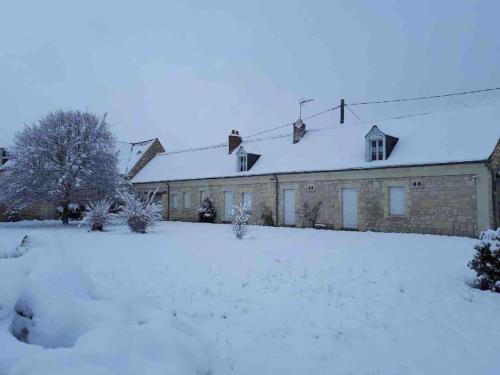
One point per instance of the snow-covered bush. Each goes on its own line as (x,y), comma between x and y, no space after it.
(140,213)
(241,216)
(267,216)
(97,214)
(206,211)
(486,262)
(73,211)
(308,215)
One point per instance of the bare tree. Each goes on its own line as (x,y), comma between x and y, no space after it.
(67,157)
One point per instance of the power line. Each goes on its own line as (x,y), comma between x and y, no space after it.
(426,97)
(350,110)
(291,123)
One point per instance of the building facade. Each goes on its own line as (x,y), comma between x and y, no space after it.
(442,197)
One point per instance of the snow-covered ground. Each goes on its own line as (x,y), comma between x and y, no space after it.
(191,299)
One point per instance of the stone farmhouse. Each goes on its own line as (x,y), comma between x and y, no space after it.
(436,173)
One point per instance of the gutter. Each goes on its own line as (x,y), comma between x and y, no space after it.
(168,201)
(493,194)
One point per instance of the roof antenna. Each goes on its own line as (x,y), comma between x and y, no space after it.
(301,103)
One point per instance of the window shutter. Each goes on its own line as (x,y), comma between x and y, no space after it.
(397,200)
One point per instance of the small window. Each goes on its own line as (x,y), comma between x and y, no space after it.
(397,200)
(185,200)
(203,195)
(175,201)
(242,163)
(246,198)
(377,149)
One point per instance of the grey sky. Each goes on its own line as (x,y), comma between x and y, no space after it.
(188,72)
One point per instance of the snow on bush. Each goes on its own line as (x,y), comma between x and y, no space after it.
(206,211)
(239,223)
(267,216)
(97,214)
(140,213)
(308,215)
(486,262)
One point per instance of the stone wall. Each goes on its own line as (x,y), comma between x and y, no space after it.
(495,167)
(450,200)
(262,195)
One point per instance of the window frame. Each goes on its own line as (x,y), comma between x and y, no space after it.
(174,201)
(186,198)
(243,199)
(242,163)
(378,151)
(203,195)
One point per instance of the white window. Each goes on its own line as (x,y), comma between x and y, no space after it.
(246,198)
(397,200)
(175,201)
(203,195)
(376,149)
(185,200)
(242,163)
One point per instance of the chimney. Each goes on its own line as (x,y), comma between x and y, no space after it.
(234,140)
(299,129)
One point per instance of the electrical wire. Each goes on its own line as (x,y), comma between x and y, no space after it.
(354,114)
(426,97)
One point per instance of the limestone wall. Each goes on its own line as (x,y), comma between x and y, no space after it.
(450,200)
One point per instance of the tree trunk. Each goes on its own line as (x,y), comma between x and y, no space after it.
(65,214)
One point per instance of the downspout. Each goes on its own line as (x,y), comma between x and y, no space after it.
(276,198)
(168,201)
(493,195)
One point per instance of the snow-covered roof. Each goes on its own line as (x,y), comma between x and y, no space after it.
(468,134)
(130,153)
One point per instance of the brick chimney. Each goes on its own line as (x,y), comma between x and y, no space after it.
(299,129)
(234,140)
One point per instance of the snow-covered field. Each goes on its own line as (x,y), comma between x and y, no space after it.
(191,299)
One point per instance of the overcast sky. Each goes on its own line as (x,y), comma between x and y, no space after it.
(189,71)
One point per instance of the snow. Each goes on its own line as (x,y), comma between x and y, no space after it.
(130,153)
(468,134)
(189,298)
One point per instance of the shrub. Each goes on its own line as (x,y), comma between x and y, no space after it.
(267,216)
(72,211)
(486,262)
(140,213)
(308,215)
(241,216)
(97,214)
(206,211)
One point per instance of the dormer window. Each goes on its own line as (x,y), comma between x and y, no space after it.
(244,160)
(379,145)
(242,163)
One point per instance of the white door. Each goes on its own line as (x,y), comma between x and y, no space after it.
(350,208)
(228,205)
(289,207)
